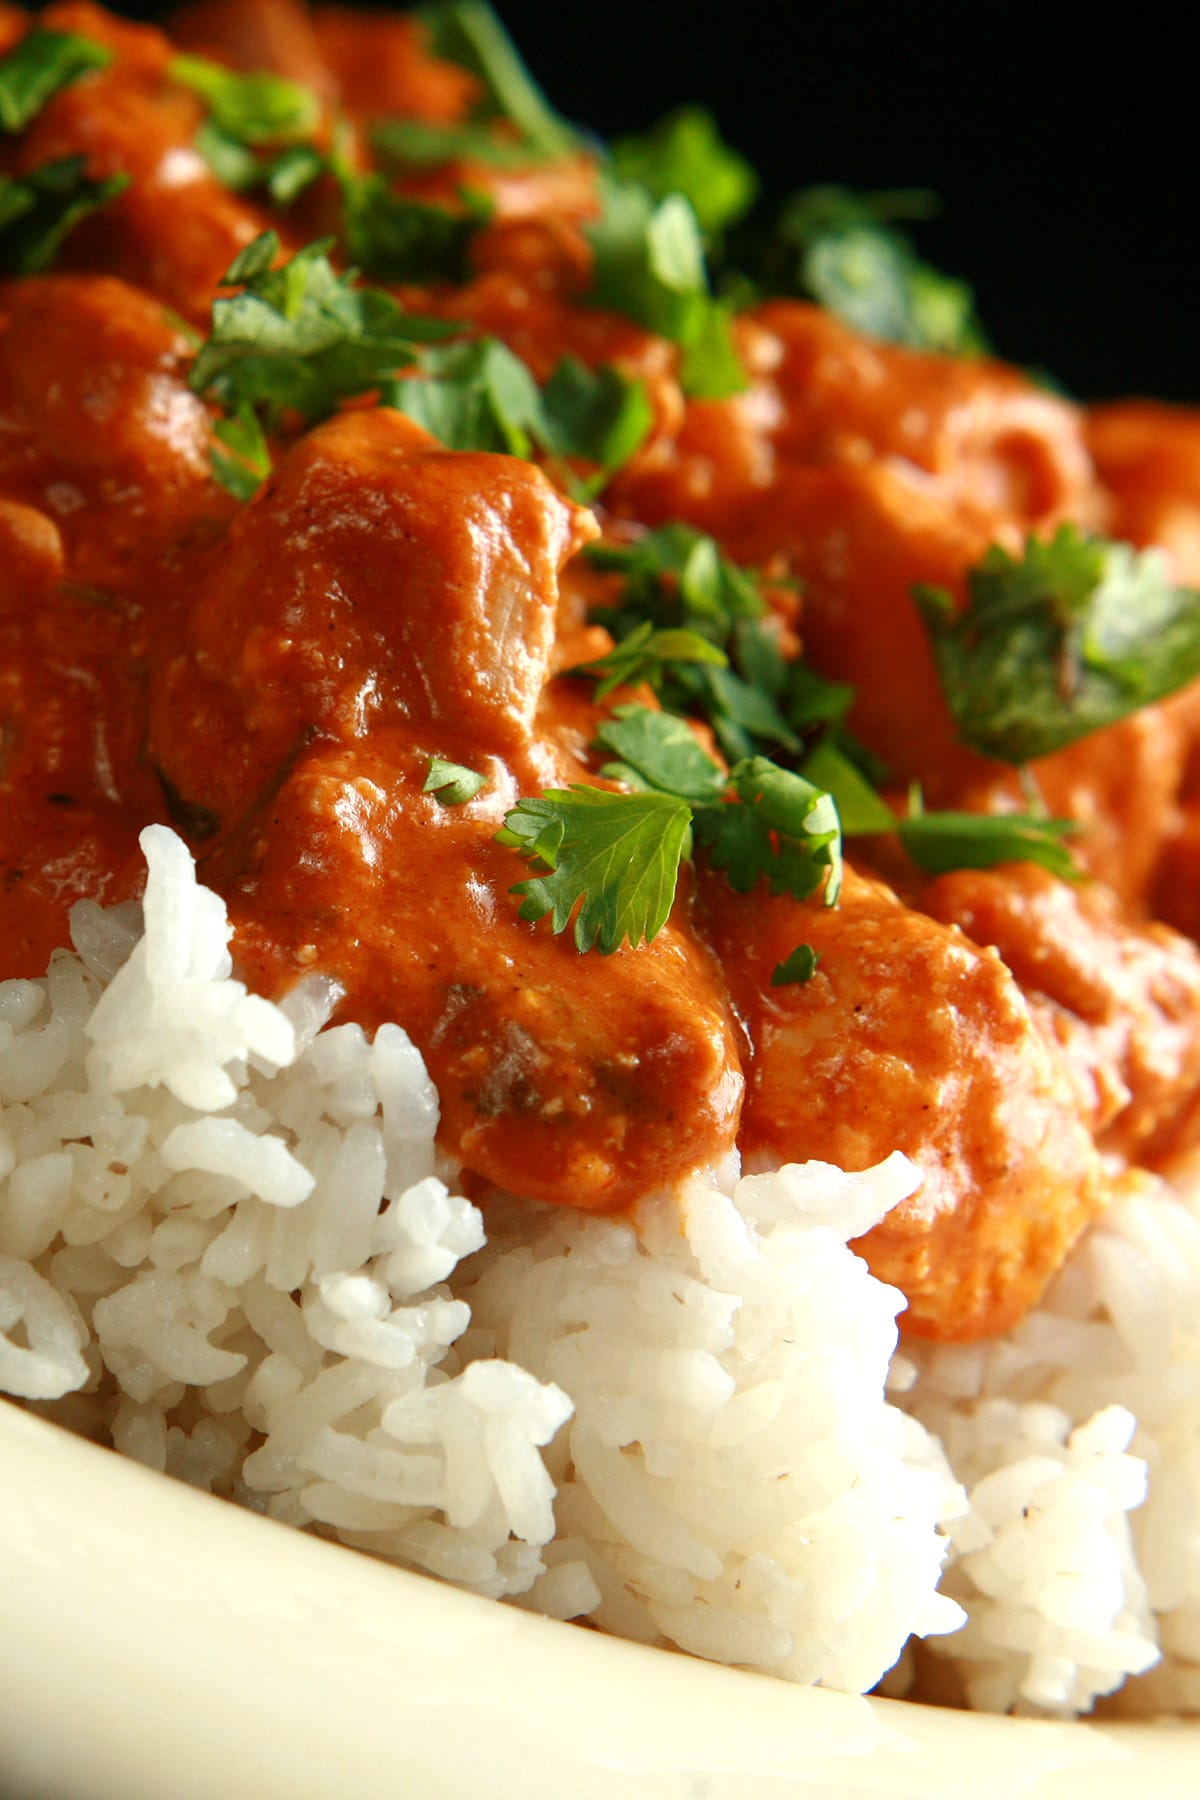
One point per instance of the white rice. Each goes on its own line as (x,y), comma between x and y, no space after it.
(227,1247)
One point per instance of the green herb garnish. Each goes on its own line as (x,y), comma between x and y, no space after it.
(797,968)
(469,33)
(842,249)
(412,144)
(1060,642)
(40,66)
(451,783)
(249,109)
(685,154)
(301,338)
(615,856)
(39,210)
(476,395)
(648,263)
(400,239)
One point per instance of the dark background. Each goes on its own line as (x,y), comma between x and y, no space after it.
(1062,139)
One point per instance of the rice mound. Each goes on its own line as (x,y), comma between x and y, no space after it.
(229,1247)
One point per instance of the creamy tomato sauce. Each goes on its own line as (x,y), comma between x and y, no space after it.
(273,677)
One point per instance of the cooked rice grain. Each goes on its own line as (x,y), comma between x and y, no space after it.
(228,1247)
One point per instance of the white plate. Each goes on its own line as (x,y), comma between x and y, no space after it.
(156,1644)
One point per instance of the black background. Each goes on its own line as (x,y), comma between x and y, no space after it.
(1062,139)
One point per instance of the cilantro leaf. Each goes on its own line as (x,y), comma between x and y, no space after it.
(644,655)
(40,66)
(598,415)
(413,144)
(452,783)
(469,33)
(685,154)
(785,829)
(940,842)
(249,109)
(474,395)
(862,811)
(300,338)
(797,968)
(39,210)
(400,239)
(842,250)
(1060,642)
(477,395)
(284,173)
(648,263)
(659,752)
(614,856)
(240,458)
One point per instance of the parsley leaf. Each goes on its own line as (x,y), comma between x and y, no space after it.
(452,783)
(468,32)
(401,239)
(240,458)
(597,415)
(477,395)
(300,338)
(474,395)
(842,250)
(1060,642)
(644,655)
(659,752)
(943,841)
(40,66)
(785,829)
(413,144)
(648,263)
(797,968)
(685,154)
(939,842)
(615,856)
(259,108)
(39,210)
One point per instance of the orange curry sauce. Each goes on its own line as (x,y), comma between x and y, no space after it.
(273,677)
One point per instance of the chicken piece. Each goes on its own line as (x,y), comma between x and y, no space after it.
(376,579)
(1148,459)
(910,1037)
(382,600)
(1122,1000)
(98,428)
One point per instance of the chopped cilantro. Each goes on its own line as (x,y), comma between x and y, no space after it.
(412,144)
(1062,641)
(943,841)
(301,338)
(648,263)
(474,395)
(685,154)
(259,108)
(477,395)
(616,850)
(614,856)
(659,751)
(842,250)
(40,209)
(40,66)
(597,415)
(644,655)
(785,829)
(797,968)
(468,32)
(453,784)
(241,457)
(400,239)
